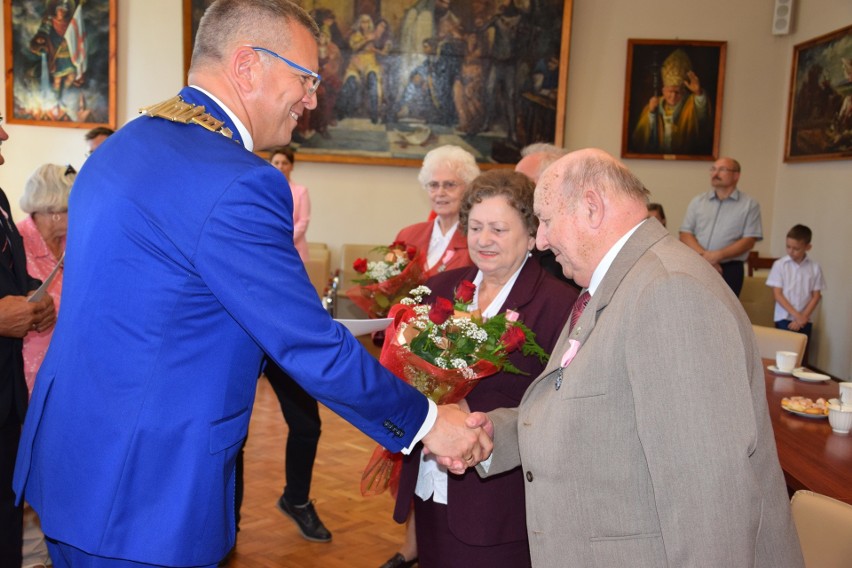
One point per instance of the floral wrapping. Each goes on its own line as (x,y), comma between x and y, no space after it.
(377,298)
(443,386)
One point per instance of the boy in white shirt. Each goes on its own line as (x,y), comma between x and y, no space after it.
(797,283)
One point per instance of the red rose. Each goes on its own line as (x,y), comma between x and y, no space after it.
(360,265)
(513,338)
(441,310)
(411,251)
(464,292)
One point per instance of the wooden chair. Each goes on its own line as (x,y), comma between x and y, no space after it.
(770,340)
(318,265)
(824,526)
(758,301)
(757,262)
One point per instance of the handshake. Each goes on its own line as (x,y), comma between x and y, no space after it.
(459,440)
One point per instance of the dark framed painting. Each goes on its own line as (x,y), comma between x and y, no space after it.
(673,99)
(61,62)
(400,77)
(819,114)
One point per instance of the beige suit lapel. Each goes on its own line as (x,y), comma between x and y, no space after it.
(639,242)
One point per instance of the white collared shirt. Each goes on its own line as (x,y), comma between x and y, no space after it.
(797,281)
(248,141)
(438,243)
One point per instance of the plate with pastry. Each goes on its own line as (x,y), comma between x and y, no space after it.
(805,407)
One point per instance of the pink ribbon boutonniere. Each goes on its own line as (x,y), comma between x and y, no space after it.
(570,353)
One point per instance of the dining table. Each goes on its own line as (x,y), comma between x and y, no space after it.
(812,455)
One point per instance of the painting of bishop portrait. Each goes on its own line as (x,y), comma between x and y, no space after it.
(60,62)
(673,99)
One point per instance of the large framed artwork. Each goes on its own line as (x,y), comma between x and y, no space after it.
(819,115)
(400,77)
(60,62)
(673,99)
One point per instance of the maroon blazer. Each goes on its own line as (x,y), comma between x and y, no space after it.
(485,512)
(420,234)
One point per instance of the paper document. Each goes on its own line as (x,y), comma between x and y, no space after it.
(42,290)
(364,326)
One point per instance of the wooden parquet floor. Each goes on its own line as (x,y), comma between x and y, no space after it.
(363,533)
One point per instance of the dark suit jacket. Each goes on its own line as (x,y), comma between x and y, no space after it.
(13,387)
(419,235)
(180,274)
(489,512)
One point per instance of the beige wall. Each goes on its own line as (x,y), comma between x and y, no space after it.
(364,204)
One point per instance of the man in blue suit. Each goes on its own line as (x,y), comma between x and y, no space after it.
(180,274)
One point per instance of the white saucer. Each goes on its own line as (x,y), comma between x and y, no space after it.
(810,376)
(777,371)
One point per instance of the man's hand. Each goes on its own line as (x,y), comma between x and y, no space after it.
(713,256)
(18,317)
(44,315)
(459,440)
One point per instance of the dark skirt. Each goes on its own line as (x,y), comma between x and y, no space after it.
(437,547)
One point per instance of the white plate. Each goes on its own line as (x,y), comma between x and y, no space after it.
(805,414)
(810,376)
(777,371)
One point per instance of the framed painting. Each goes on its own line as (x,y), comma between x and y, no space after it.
(60,62)
(400,77)
(673,99)
(819,115)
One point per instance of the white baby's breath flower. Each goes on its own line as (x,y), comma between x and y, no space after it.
(458,363)
(440,362)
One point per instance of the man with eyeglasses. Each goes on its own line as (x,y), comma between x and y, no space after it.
(182,275)
(17,318)
(723,225)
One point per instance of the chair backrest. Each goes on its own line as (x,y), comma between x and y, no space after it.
(318,266)
(770,340)
(757,262)
(758,301)
(825,530)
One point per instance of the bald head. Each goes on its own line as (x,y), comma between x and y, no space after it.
(586,201)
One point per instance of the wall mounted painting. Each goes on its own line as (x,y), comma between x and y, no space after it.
(60,62)
(819,115)
(673,99)
(400,77)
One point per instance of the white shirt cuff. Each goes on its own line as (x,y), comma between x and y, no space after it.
(431,416)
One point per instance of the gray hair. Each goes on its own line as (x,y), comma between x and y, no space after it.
(543,148)
(229,21)
(454,158)
(47,189)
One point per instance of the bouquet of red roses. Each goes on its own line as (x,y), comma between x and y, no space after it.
(443,351)
(386,281)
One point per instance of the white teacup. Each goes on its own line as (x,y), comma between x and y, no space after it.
(846,393)
(840,416)
(785,360)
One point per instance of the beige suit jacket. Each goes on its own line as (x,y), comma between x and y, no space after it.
(657,449)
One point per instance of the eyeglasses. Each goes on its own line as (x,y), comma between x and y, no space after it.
(447,185)
(309,75)
(722,169)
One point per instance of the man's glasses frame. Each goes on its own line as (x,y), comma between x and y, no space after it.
(722,169)
(315,77)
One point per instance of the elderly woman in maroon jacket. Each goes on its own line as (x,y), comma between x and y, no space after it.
(464,520)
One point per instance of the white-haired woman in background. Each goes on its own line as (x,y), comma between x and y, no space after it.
(446,173)
(45,199)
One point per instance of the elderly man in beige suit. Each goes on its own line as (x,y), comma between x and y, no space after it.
(646,442)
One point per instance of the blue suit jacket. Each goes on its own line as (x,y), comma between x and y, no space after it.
(180,274)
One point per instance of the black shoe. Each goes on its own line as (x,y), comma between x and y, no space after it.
(399,561)
(306,519)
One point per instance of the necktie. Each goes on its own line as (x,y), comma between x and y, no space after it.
(578,308)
